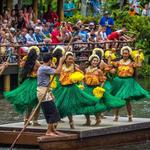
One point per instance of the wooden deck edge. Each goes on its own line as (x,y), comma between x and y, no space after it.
(66,137)
(103,141)
(27,138)
(115,130)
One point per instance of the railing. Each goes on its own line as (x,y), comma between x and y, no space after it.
(81,50)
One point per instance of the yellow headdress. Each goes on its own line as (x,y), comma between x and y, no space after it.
(126,48)
(98,50)
(36,48)
(93,56)
(59,48)
(68,53)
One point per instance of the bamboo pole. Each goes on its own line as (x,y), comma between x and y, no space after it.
(60,9)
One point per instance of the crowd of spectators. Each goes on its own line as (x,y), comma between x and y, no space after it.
(18,27)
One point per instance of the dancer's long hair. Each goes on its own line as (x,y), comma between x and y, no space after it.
(58,54)
(29,64)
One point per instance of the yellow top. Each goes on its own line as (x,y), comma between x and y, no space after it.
(125,69)
(65,74)
(93,76)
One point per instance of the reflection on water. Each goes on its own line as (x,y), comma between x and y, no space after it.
(140,109)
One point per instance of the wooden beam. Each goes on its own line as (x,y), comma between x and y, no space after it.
(7,83)
(1,6)
(9,4)
(60,9)
(35,9)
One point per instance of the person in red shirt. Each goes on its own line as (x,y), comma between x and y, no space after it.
(117,35)
(56,35)
(114,35)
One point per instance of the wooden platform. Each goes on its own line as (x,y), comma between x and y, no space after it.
(11,69)
(108,134)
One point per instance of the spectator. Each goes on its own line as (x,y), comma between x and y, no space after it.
(95,4)
(26,17)
(30,36)
(69,7)
(50,16)
(92,26)
(136,6)
(39,38)
(83,34)
(117,35)
(107,21)
(132,12)
(145,10)
(20,20)
(92,36)
(55,35)
(102,34)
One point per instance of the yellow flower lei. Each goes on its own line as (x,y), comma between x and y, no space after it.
(98,92)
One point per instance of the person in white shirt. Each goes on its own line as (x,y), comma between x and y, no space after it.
(145,10)
(103,34)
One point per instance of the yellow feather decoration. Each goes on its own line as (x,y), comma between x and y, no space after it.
(98,92)
(76,77)
(53,84)
(135,53)
(24,58)
(36,48)
(110,54)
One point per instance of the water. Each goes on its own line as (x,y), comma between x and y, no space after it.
(140,109)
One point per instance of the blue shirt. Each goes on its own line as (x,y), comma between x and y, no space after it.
(38,37)
(43,75)
(107,21)
(83,35)
(67,9)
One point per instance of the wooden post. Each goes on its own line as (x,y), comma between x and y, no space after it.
(9,4)
(35,9)
(1,6)
(7,83)
(60,9)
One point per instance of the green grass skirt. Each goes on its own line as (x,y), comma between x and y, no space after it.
(107,86)
(71,100)
(24,96)
(128,89)
(109,100)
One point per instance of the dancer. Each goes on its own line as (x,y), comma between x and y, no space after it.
(24,98)
(125,86)
(95,79)
(70,99)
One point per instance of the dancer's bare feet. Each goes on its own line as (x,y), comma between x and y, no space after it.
(25,122)
(59,133)
(71,125)
(98,122)
(51,134)
(116,119)
(130,118)
(88,123)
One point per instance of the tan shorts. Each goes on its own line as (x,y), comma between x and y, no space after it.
(41,92)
